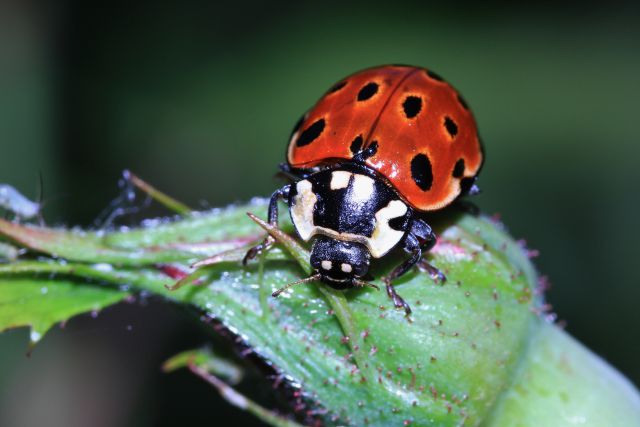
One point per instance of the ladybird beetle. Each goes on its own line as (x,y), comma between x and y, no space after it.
(377,151)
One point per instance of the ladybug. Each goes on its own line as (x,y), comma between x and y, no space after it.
(380,149)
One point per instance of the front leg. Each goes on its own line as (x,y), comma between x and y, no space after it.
(420,238)
(427,239)
(282,193)
(411,245)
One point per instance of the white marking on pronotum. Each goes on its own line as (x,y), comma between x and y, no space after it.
(326,264)
(340,179)
(346,267)
(302,210)
(362,188)
(384,238)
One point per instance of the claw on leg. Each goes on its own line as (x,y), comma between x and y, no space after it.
(398,301)
(437,275)
(254,251)
(282,193)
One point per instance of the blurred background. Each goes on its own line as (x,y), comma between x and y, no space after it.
(199,98)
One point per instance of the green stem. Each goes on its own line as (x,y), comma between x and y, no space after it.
(241,401)
(160,197)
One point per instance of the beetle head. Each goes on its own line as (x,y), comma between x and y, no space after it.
(339,263)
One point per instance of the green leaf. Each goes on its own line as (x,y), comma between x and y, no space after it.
(460,359)
(159,241)
(40,303)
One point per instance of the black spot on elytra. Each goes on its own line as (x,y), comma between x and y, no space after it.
(297,125)
(450,126)
(311,133)
(458,169)
(462,102)
(421,171)
(356,144)
(434,76)
(367,91)
(336,87)
(412,106)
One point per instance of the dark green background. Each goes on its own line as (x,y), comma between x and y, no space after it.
(199,99)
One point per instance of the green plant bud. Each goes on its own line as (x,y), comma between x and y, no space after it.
(478,349)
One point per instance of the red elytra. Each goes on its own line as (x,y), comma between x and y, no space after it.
(426,136)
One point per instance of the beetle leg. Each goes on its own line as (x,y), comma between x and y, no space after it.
(427,239)
(282,193)
(423,232)
(411,245)
(435,273)
(398,301)
(469,187)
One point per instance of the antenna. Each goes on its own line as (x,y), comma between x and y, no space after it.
(305,280)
